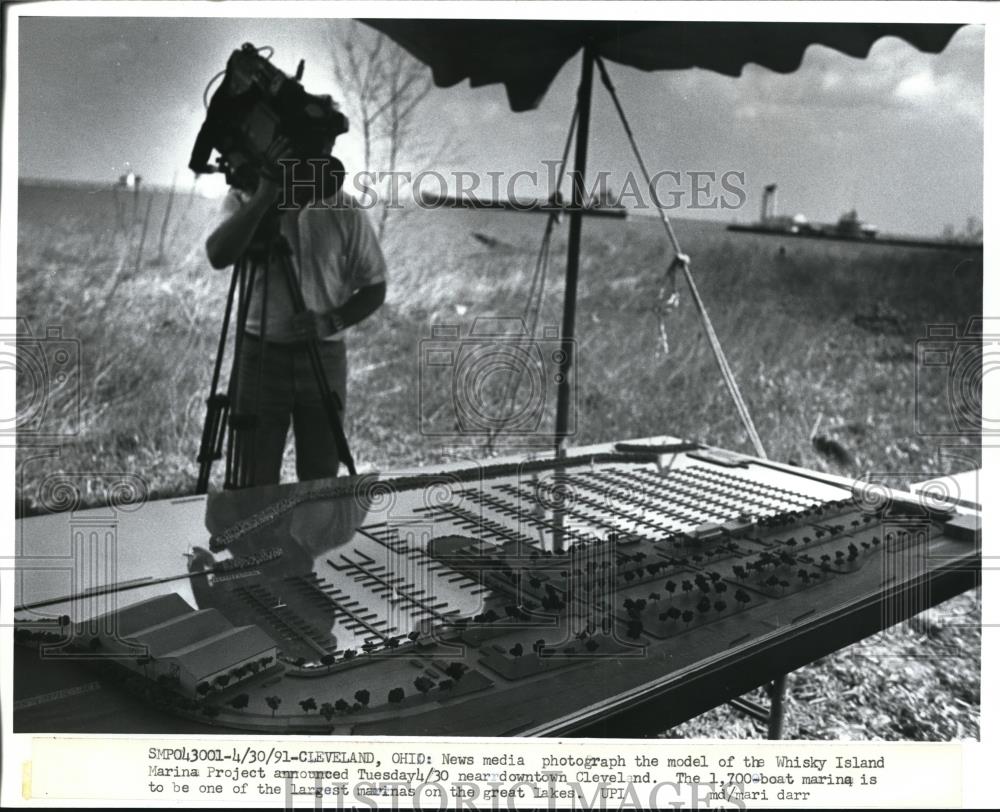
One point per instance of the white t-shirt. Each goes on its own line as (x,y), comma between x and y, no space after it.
(335,252)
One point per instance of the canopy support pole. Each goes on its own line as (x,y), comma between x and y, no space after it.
(564,393)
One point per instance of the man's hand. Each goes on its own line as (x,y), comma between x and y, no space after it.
(231,237)
(309,325)
(272,171)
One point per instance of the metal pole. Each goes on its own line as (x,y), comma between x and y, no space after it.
(573,252)
(777,716)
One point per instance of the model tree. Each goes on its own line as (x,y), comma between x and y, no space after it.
(308,704)
(273,702)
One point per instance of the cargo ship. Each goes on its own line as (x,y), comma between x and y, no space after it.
(850,227)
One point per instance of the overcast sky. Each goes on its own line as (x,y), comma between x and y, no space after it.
(899,136)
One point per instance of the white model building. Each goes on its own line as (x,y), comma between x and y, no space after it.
(194,646)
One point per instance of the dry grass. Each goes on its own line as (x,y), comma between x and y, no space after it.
(918,681)
(814,331)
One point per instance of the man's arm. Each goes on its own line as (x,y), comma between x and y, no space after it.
(367,280)
(365,301)
(359,307)
(231,238)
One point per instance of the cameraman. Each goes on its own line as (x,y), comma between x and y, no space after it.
(341,271)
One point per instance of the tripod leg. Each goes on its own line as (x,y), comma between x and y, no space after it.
(240,424)
(232,390)
(249,459)
(217,403)
(329,398)
(330,402)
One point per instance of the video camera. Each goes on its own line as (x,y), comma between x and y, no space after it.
(255,103)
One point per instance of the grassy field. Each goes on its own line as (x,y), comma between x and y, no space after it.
(820,335)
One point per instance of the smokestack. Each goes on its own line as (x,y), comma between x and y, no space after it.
(767,207)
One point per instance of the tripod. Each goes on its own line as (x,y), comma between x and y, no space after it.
(268,248)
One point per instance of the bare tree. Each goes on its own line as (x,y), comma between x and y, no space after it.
(383,87)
